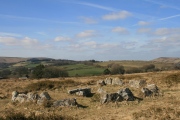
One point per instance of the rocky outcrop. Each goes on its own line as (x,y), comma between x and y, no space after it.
(150,90)
(81,91)
(126,94)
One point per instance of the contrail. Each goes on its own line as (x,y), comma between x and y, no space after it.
(169,17)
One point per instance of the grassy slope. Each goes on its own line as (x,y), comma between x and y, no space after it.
(165,107)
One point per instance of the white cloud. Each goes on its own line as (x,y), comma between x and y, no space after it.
(8,40)
(117,15)
(88,20)
(144,30)
(91,44)
(166,31)
(143,23)
(120,30)
(87,34)
(21,42)
(60,38)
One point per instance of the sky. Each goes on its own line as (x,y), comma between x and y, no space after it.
(90,29)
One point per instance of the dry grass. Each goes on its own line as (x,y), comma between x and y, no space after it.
(159,108)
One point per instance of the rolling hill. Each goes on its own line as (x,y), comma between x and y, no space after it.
(167,59)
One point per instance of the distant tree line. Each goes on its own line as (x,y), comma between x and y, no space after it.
(114,68)
(41,71)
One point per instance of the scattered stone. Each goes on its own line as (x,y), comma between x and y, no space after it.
(81,91)
(45,95)
(111,97)
(153,88)
(117,81)
(32,97)
(126,94)
(146,92)
(108,81)
(150,90)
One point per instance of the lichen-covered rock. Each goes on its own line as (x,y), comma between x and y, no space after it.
(153,88)
(117,81)
(108,81)
(32,97)
(81,91)
(126,94)
(16,97)
(45,95)
(111,97)
(146,92)
(137,83)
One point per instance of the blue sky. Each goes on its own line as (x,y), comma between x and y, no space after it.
(90,29)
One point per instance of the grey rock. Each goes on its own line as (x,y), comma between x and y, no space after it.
(137,83)
(126,94)
(153,88)
(117,81)
(45,95)
(32,97)
(111,97)
(81,91)
(108,81)
(146,92)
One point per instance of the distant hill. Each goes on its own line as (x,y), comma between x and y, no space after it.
(11,59)
(167,59)
(19,59)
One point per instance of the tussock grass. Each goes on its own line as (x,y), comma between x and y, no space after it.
(45,85)
(11,115)
(150,108)
(157,113)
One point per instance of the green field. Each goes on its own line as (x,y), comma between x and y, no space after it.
(97,68)
(82,70)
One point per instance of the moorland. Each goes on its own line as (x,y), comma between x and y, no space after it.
(84,74)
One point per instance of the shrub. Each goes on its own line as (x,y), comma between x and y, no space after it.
(133,70)
(38,71)
(148,68)
(106,72)
(117,69)
(53,72)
